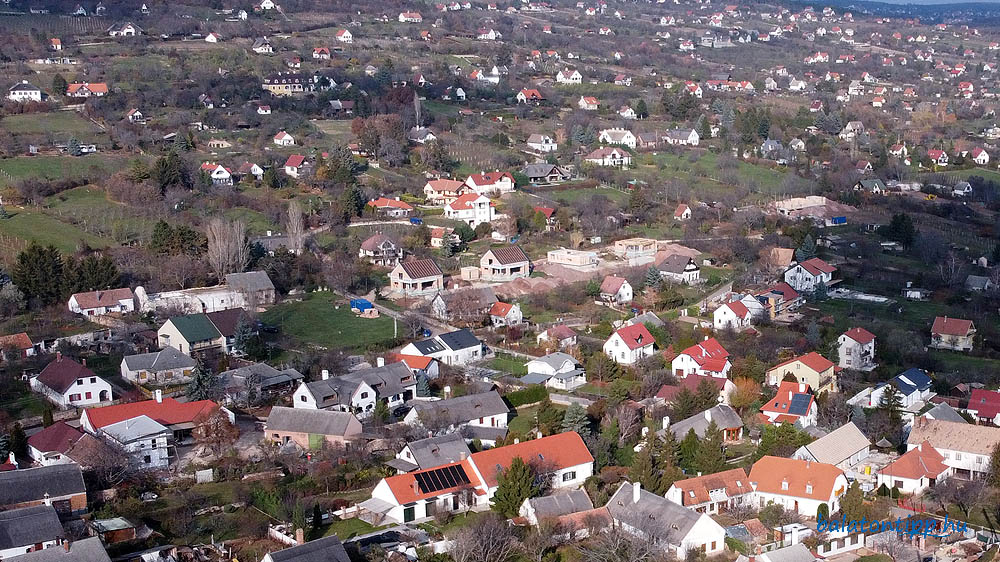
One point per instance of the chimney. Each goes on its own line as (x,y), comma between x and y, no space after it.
(462,455)
(66,544)
(325,374)
(380,362)
(46,499)
(158,394)
(636,490)
(268,233)
(789,395)
(706,338)
(447,391)
(516,440)
(415,486)
(58,356)
(802,387)
(83,361)
(539,436)
(708,415)
(920,446)
(808,463)
(666,422)
(300,536)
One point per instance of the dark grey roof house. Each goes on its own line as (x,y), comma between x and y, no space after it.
(89,549)
(431,452)
(327,549)
(29,526)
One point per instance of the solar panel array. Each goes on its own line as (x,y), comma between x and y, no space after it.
(800,404)
(441,478)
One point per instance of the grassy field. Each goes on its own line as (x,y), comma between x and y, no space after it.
(26,225)
(316,320)
(524,421)
(509,363)
(65,123)
(567,196)
(964,174)
(91,204)
(61,167)
(339,131)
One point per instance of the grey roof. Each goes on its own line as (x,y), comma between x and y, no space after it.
(388,538)
(429,346)
(386,381)
(166,359)
(461,409)
(652,513)
(722,415)
(568,374)
(31,484)
(269,376)
(795,553)
(133,429)
(838,445)
(534,378)
(675,263)
(646,318)
(459,339)
(327,549)
(542,169)
(89,549)
(976,282)
(29,526)
(250,281)
(321,422)
(561,504)
(556,360)
(484,433)
(436,451)
(23,87)
(944,411)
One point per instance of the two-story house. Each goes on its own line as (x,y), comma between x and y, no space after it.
(504,264)
(416,278)
(805,276)
(966,448)
(677,529)
(489,183)
(732,316)
(812,369)
(460,347)
(480,416)
(713,493)
(856,350)
(380,250)
(144,439)
(706,359)
(358,392)
(630,344)
(616,290)
(797,485)
(472,208)
(444,191)
(70,384)
(679,269)
(955,334)
(558,370)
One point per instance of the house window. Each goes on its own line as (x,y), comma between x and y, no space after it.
(89,395)
(713,545)
(784,485)
(79,382)
(93,380)
(74,397)
(147,459)
(809,488)
(958,456)
(567,476)
(364,395)
(302,398)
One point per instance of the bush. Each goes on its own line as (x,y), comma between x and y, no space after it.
(737,545)
(823,511)
(530,395)
(883,490)
(895,492)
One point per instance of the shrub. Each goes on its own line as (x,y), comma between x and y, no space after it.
(737,545)
(823,511)
(528,395)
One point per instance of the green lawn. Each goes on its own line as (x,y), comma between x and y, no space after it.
(982,172)
(68,123)
(347,528)
(28,225)
(62,167)
(87,203)
(509,363)
(316,320)
(567,196)
(524,421)
(338,130)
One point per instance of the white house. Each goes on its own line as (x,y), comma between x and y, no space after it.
(916,470)
(144,439)
(616,290)
(481,416)
(505,314)
(167,366)
(542,143)
(284,139)
(980,156)
(705,359)
(471,483)
(99,303)
(856,350)
(679,268)
(568,76)
(713,493)
(965,447)
(472,208)
(460,347)
(793,404)
(617,136)
(630,344)
(358,392)
(23,91)
(732,316)
(588,103)
(558,370)
(505,263)
(843,447)
(682,137)
(485,183)
(609,156)
(345,36)
(805,276)
(912,385)
(219,174)
(645,514)
(70,384)
(797,485)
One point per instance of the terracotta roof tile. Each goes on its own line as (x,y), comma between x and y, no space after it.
(419,269)
(636,336)
(769,473)
(951,326)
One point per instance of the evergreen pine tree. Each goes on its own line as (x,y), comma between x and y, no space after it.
(73,147)
(39,273)
(3,213)
(717,106)
(59,85)
(243,334)
(653,278)
(514,485)
(575,419)
(47,417)
(423,386)
(891,402)
(688,451)
(641,111)
(710,457)
(18,441)
(317,518)
(707,395)
(807,250)
(549,417)
(643,469)
(203,386)
(685,404)
(666,462)
(705,132)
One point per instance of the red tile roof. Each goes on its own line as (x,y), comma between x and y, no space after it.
(680,210)
(951,326)
(62,372)
(500,309)
(489,178)
(412,361)
(695,491)
(294,161)
(445,185)
(97,88)
(562,450)
(419,269)
(782,400)
(99,299)
(815,266)
(703,353)
(985,402)
(382,202)
(636,336)
(168,412)
(464,201)
(58,437)
(786,291)
(738,308)
(19,341)
(813,360)
(769,472)
(860,335)
(406,489)
(547,211)
(560,332)
(611,285)
(923,461)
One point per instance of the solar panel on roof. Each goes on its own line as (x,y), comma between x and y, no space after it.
(800,404)
(441,478)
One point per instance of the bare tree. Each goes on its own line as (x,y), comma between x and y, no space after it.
(295,226)
(228,248)
(628,422)
(617,544)
(489,539)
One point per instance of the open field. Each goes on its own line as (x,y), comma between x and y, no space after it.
(26,225)
(61,167)
(63,124)
(91,207)
(316,320)
(338,130)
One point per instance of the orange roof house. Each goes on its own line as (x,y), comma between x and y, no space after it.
(799,485)
(709,492)
(812,369)
(915,471)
